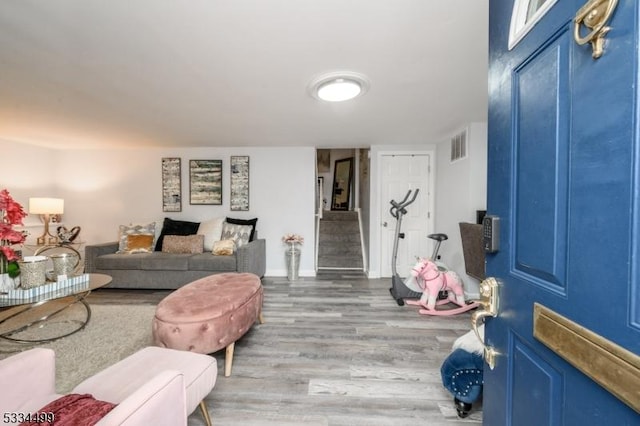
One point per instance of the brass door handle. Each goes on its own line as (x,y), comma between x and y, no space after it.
(489,308)
(594,16)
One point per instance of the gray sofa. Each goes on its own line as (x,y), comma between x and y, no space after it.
(158,270)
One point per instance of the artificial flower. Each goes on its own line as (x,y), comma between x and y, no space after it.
(292,239)
(11,214)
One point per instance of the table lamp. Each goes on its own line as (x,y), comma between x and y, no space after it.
(46,207)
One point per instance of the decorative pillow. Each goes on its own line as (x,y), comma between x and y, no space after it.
(190,244)
(126,230)
(72,409)
(139,243)
(250,222)
(223,247)
(176,227)
(238,233)
(212,230)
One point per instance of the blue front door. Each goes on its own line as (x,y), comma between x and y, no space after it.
(564,178)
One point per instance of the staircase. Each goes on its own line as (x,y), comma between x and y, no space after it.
(339,243)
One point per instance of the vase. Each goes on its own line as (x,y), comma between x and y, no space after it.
(292,256)
(33,271)
(6,283)
(64,264)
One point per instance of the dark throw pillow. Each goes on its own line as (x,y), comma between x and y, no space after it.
(176,227)
(251,222)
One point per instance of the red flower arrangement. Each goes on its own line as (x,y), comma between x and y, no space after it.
(11,214)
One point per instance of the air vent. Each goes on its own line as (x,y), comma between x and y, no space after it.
(459,146)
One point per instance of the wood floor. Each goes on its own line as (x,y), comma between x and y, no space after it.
(334,350)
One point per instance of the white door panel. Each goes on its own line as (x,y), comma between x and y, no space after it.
(399,174)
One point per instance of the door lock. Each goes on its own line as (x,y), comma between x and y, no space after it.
(489,305)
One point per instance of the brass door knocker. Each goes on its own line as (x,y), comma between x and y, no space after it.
(594,15)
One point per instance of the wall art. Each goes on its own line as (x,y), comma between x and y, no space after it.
(240,183)
(205,182)
(323,157)
(171,185)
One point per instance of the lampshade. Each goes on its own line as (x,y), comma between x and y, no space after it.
(46,205)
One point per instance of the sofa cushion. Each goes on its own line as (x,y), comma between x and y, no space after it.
(140,229)
(118,261)
(209,262)
(139,243)
(176,227)
(240,234)
(250,222)
(115,382)
(212,230)
(223,248)
(189,244)
(158,261)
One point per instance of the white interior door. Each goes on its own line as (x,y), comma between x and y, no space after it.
(398,175)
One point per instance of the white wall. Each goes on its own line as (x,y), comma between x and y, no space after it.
(28,171)
(461,190)
(105,188)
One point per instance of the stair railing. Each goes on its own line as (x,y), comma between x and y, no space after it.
(319,208)
(365,267)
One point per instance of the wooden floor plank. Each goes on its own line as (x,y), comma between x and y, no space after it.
(334,350)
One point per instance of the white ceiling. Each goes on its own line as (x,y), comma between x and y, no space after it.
(197,73)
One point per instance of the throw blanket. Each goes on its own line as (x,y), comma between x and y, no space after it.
(72,410)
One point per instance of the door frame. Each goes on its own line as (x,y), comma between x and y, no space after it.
(375,229)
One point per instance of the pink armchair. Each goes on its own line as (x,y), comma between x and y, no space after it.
(27,384)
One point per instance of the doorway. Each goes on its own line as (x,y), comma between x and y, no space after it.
(399,173)
(342,204)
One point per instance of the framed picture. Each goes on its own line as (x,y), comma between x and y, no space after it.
(240,183)
(323,160)
(205,182)
(171,185)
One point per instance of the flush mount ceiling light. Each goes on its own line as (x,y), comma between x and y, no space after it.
(338,86)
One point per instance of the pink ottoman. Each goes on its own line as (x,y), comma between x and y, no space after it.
(209,314)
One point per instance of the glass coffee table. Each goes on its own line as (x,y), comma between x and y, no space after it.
(31,318)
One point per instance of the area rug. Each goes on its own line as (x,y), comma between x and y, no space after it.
(113,333)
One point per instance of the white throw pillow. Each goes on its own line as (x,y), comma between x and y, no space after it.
(212,230)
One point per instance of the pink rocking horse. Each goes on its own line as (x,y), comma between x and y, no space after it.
(432,281)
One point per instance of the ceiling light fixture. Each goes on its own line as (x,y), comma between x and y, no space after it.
(338,86)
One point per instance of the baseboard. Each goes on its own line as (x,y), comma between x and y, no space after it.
(283,273)
(335,268)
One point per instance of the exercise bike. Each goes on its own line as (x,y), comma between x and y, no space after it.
(399,291)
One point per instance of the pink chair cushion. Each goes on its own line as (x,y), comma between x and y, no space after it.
(208,314)
(117,382)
